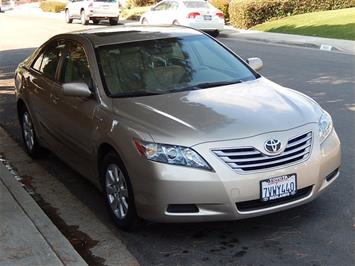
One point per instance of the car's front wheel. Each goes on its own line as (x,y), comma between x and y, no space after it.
(118,192)
(144,21)
(83,18)
(29,136)
(68,19)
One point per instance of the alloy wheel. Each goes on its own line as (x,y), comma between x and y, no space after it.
(116,191)
(28,131)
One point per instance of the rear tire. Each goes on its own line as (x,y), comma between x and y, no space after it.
(67,17)
(83,18)
(113,21)
(175,22)
(29,136)
(118,192)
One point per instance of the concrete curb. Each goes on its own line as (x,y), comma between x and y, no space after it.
(326,44)
(60,246)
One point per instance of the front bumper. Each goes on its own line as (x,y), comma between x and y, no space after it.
(216,194)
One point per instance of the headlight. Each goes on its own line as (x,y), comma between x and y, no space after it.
(325,126)
(171,154)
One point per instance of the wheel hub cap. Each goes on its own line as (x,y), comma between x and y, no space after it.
(116,191)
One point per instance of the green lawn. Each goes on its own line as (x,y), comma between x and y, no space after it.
(339,24)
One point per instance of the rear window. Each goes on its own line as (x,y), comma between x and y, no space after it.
(195,4)
(168,65)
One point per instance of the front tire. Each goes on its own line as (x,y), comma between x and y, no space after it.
(67,17)
(144,21)
(83,18)
(118,192)
(29,135)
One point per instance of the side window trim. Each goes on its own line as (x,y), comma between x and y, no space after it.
(61,65)
(41,53)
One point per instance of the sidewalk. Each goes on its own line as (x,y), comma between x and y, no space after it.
(27,236)
(327,44)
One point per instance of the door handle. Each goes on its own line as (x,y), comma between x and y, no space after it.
(98,118)
(54,98)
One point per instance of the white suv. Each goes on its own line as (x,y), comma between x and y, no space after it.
(94,10)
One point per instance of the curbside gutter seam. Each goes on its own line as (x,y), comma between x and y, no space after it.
(62,249)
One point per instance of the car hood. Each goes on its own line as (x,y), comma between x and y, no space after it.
(221,113)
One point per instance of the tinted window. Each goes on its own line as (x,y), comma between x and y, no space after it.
(75,65)
(50,59)
(37,63)
(160,7)
(168,65)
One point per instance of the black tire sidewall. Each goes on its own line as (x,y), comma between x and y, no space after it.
(130,221)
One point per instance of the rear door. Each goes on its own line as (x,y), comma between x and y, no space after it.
(42,79)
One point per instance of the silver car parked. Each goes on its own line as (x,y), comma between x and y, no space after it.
(173,126)
(95,10)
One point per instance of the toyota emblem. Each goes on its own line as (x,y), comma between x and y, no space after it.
(272,145)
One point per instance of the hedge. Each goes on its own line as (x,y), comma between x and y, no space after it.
(223,6)
(248,13)
(52,6)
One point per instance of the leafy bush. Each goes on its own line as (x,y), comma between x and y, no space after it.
(223,6)
(52,6)
(133,13)
(248,13)
(136,3)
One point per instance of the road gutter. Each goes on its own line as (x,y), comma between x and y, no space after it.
(93,240)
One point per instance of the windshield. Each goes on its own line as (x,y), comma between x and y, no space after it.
(196,4)
(168,65)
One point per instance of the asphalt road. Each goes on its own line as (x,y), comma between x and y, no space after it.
(319,233)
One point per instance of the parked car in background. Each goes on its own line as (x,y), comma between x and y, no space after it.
(173,126)
(198,14)
(95,10)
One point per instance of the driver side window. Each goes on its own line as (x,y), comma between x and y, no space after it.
(76,66)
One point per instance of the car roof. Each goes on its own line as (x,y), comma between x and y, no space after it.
(125,34)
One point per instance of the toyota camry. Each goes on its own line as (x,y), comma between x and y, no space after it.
(173,126)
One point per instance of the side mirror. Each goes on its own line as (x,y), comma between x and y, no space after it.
(77,89)
(255,63)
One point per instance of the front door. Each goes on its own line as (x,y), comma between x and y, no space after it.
(77,123)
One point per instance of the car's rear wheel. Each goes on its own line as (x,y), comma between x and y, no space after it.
(67,17)
(118,192)
(29,135)
(95,21)
(113,21)
(83,18)
(176,22)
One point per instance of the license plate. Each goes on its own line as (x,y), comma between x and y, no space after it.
(278,187)
(207,17)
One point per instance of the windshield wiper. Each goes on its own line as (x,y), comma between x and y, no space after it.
(136,94)
(207,85)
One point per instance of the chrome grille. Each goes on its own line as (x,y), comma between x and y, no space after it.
(250,159)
